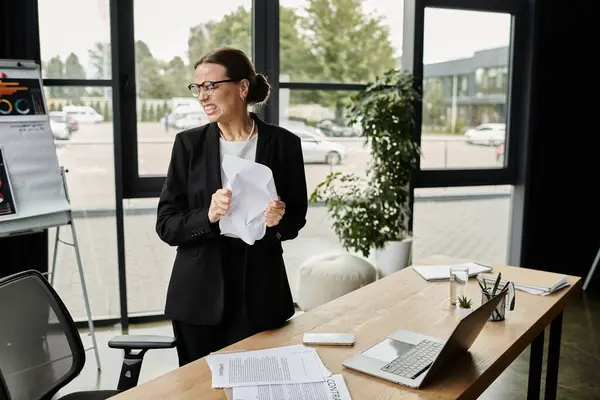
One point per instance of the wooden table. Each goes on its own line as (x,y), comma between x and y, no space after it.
(404,300)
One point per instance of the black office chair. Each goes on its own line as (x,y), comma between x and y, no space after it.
(40,347)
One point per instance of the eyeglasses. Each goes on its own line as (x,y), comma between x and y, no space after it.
(208,87)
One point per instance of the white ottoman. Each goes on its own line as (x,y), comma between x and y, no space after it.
(328,276)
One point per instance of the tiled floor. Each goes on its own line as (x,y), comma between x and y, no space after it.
(578,373)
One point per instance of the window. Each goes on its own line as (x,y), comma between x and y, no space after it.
(451,133)
(349,41)
(167,44)
(76,67)
(164,63)
(86,151)
(463,222)
(86,52)
(328,143)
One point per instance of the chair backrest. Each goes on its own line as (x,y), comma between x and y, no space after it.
(40,347)
(3,389)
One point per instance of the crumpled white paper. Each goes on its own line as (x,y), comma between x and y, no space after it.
(252,188)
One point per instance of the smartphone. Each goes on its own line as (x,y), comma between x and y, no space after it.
(331,339)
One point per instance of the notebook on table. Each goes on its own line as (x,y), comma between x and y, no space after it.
(541,284)
(442,272)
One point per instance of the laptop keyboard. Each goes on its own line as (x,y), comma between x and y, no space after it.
(411,363)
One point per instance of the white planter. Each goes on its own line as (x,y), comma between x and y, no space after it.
(393,257)
(463,312)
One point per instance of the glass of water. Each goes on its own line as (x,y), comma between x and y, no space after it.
(459,278)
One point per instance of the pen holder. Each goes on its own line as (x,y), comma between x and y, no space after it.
(489,293)
(500,310)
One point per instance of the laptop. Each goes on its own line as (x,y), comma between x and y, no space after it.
(411,359)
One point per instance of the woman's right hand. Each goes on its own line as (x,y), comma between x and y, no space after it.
(219,205)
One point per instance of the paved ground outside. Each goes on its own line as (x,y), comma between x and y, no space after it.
(89,157)
(473,228)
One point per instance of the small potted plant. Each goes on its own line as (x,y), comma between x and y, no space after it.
(465,306)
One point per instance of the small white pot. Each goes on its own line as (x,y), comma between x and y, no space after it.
(463,312)
(393,257)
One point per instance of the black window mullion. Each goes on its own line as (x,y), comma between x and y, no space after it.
(78,82)
(265,52)
(124,128)
(124,93)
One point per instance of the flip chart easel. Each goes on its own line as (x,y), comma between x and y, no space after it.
(75,245)
(36,185)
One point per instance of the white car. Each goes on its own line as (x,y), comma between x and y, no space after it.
(84,114)
(316,148)
(490,134)
(59,126)
(191,120)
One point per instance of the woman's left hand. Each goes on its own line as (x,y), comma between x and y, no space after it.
(274,212)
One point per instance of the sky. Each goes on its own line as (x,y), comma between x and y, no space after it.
(164,26)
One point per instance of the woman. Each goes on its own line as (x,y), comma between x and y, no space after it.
(222,290)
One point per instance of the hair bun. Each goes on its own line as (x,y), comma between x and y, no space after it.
(259,90)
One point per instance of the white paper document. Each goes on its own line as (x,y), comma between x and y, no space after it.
(252,187)
(538,290)
(332,388)
(30,155)
(442,272)
(282,365)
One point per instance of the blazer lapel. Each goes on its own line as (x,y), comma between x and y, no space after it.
(213,160)
(263,146)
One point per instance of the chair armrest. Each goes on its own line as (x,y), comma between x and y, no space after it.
(141,342)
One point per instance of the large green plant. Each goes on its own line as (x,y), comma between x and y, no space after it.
(368,212)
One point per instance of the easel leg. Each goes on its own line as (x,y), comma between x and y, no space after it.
(85,295)
(55,256)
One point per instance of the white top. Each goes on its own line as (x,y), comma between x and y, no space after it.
(243,149)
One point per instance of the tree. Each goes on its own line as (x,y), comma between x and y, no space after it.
(100,58)
(152,83)
(74,70)
(144,112)
(106,112)
(55,70)
(178,75)
(434,109)
(235,29)
(198,41)
(296,59)
(349,46)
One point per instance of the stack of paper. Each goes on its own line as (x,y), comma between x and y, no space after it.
(442,272)
(287,373)
(540,289)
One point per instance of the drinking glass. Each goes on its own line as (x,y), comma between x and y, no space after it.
(459,278)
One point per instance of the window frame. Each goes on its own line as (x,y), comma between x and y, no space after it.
(265,46)
(412,60)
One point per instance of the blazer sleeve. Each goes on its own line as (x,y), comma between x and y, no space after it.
(176,224)
(295,195)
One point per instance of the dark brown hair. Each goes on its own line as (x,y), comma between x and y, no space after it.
(238,66)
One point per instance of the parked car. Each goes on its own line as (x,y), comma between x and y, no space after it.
(316,147)
(492,134)
(73,125)
(331,128)
(183,111)
(191,120)
(84,114)
(60,126)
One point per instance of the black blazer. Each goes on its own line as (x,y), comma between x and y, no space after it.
(195,291)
